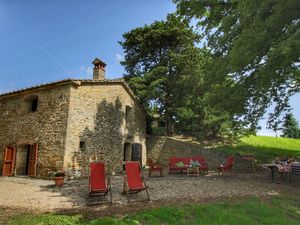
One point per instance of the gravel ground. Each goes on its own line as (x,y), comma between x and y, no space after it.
(43,196)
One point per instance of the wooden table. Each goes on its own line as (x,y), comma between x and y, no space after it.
(193,170)
(272,167)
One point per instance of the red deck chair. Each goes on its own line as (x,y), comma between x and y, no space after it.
(154,167)
(227,167)
(133,179)
(98,184)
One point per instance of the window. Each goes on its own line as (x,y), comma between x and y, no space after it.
(34,105)
(136,153)
(82,146)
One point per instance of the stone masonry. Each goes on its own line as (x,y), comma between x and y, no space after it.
(76,122)
(104,128)
(161,148)
(47,125)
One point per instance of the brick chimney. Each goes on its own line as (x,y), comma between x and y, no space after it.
(99,69)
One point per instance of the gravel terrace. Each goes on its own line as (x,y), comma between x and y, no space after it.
(42,196)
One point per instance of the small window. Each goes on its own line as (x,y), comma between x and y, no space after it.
(34,105)
(32,102)
(82,146)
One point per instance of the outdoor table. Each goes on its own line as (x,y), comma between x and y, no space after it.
(194,170)
(272,167)
(282,168)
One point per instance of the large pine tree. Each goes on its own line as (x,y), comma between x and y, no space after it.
(166,70)
(164,66)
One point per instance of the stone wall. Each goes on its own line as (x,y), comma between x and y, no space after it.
(47,125)
(161,148)
(245,164)
(98,118)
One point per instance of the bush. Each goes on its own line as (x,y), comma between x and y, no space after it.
(59,174)
(159,131)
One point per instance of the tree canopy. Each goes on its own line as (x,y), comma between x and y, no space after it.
(158,57)
(166,70)
(255,51)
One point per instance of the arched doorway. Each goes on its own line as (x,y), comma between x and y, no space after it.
(132,152)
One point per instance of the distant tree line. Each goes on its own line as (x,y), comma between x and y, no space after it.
(290,128)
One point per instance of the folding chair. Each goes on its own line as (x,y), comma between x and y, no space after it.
(97,183)
(133,179)
(227,167)
(154,167)
(295,171)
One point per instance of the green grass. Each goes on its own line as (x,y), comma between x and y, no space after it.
(278,210)
(265,148)
(44,219)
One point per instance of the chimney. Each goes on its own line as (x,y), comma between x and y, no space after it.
(99,69)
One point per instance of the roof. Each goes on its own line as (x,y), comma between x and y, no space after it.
(98,61)
(77,82)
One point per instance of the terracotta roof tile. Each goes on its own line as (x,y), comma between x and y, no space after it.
(66,81)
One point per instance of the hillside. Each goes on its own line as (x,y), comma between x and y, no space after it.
(265,148)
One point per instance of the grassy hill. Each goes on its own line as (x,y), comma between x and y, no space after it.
(265,148)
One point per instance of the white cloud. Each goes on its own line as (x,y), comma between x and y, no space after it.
(119,57)
(86,71)
(89,70)
(29,82)
(6,89)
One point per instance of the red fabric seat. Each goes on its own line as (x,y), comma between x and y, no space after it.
(227,166)
(97,183)
(173,166)
(186,161)
(133,180)
(153,167)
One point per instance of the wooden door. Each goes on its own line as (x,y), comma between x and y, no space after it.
(136,152)
(32,160)
(9,161)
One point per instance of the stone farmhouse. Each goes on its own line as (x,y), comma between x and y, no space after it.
(66,124)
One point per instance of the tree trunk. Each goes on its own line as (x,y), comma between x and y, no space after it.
(169,126)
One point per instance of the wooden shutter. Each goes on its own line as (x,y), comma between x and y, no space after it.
(32,160)
(9,161)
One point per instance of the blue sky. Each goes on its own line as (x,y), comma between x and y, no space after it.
(44,41)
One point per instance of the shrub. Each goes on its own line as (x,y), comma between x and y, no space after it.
(60,174)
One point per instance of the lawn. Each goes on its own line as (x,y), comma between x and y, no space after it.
(265,148)
(277,210)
